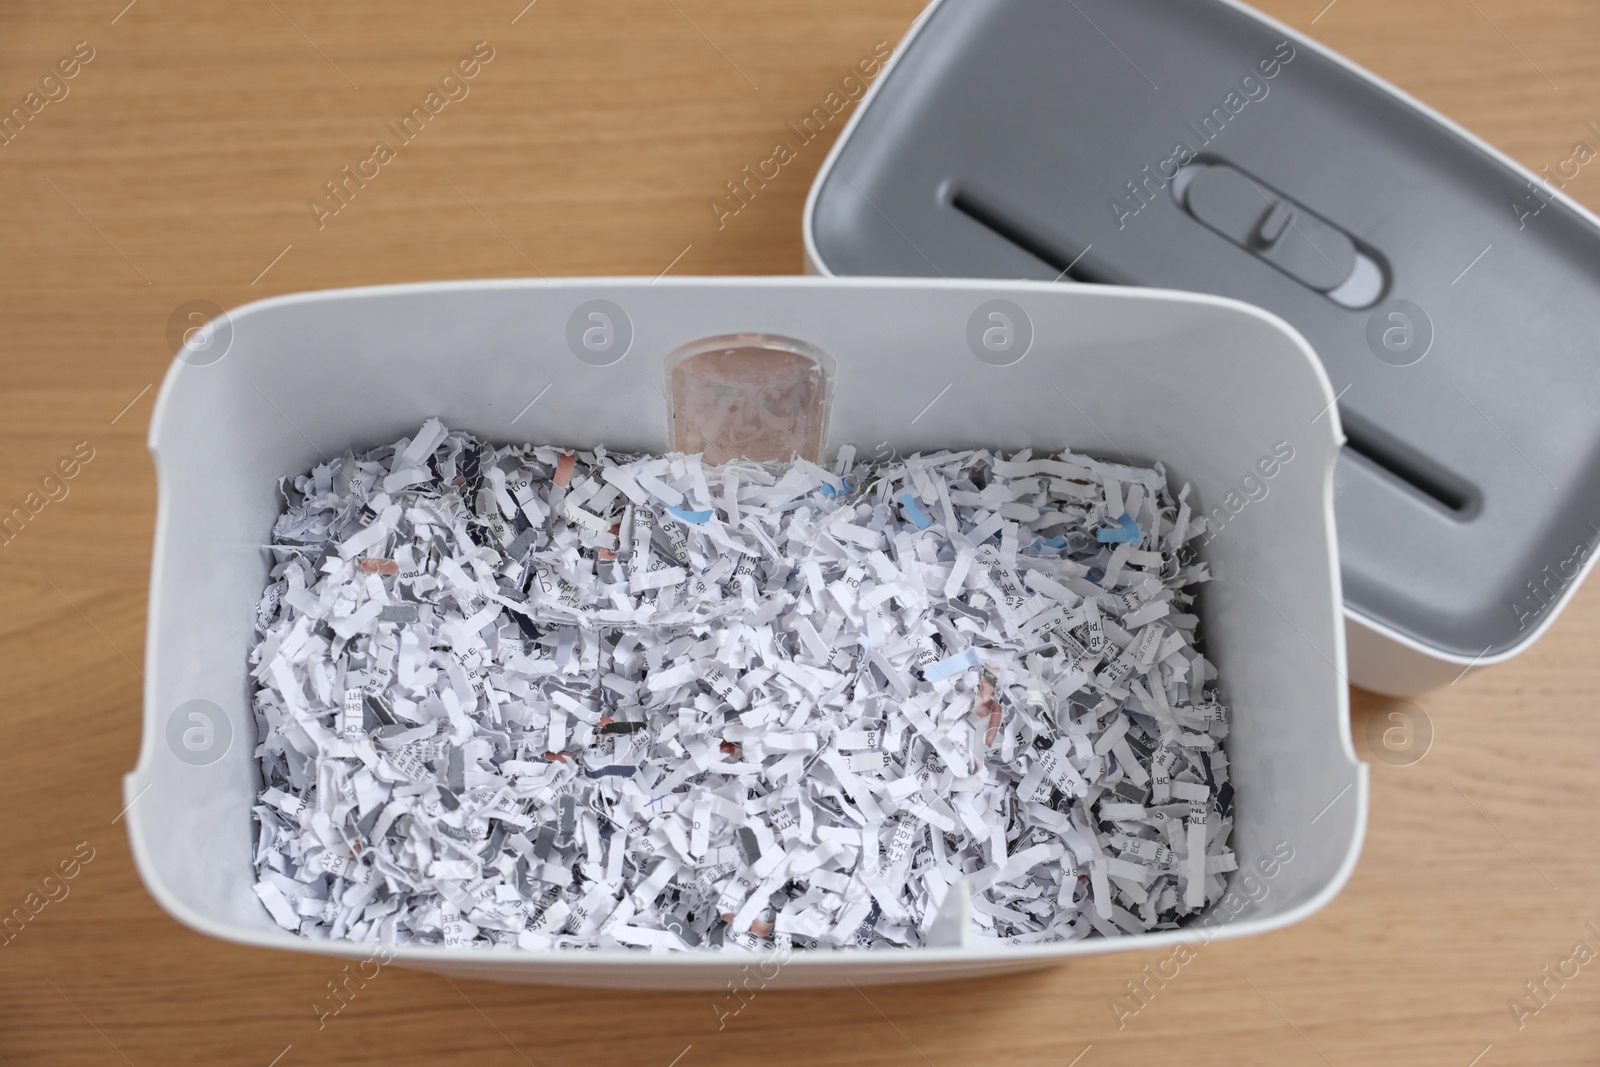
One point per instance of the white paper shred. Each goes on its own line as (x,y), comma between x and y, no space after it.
(541,699)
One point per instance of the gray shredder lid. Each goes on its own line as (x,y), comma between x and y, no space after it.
(1187,144)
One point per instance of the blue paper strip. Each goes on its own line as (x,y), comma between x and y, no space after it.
(1125,530)
(955,664)
(698,518)
(915,513)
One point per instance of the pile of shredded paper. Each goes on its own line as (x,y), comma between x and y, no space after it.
(532,698)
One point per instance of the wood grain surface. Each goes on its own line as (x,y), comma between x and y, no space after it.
(178,166)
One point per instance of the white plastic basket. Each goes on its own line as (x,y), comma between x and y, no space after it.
(1209,386)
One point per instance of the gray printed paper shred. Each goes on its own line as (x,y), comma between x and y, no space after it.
(532,698)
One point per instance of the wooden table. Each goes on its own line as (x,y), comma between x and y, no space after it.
(180,165)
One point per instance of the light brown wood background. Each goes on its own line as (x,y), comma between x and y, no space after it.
(179,167)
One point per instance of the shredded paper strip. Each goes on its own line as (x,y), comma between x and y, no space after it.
(529,698)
